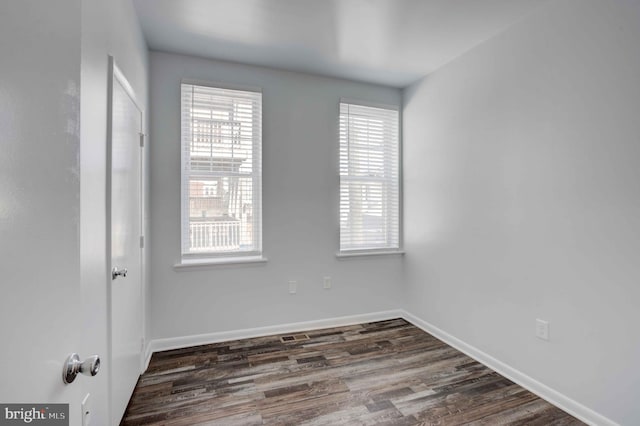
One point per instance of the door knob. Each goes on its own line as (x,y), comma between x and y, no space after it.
(73,366)
(115,272)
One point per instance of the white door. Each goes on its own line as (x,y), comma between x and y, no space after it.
(40,289)
(126,253)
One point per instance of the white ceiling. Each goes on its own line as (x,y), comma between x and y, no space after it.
(391,42)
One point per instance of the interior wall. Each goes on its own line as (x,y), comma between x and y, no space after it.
(522,200)
(108,28)
(300,204)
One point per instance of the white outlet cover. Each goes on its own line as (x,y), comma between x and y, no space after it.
(293,287)
(86,410)
(327,282)
(542,329)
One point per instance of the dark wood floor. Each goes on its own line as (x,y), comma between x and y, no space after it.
(382,373)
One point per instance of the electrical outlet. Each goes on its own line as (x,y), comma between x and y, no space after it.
(86,410)
(327,282)
(542,329)
(293,287)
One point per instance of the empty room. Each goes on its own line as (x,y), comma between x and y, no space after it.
(320,212)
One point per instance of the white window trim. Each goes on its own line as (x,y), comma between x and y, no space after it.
(363,253)
(221,85)
(399,251)
(204,260)
(194,264)
(369,104)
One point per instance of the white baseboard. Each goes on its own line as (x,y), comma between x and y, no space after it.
(567,404)
(158,345)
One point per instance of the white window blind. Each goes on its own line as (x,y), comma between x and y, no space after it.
(369,178)
(221,172)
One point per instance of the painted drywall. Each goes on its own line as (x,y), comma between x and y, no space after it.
(108,28)
(300,204)
(522,200)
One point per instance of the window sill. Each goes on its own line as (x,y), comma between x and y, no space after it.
(212,263)
(355,254)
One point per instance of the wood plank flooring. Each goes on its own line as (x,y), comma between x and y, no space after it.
(380,373)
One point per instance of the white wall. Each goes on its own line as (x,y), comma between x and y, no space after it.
(300,204)
(108,28)
(522,200)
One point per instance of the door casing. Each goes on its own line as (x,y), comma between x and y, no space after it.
(116,77)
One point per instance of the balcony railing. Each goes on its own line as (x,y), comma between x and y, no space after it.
(215,235)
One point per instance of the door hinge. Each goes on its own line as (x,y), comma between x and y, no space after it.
(141,140)
(141,241)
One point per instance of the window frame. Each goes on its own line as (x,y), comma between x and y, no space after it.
(222,257)
(374,250)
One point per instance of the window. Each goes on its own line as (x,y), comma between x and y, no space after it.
(221,172)
(369,178)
